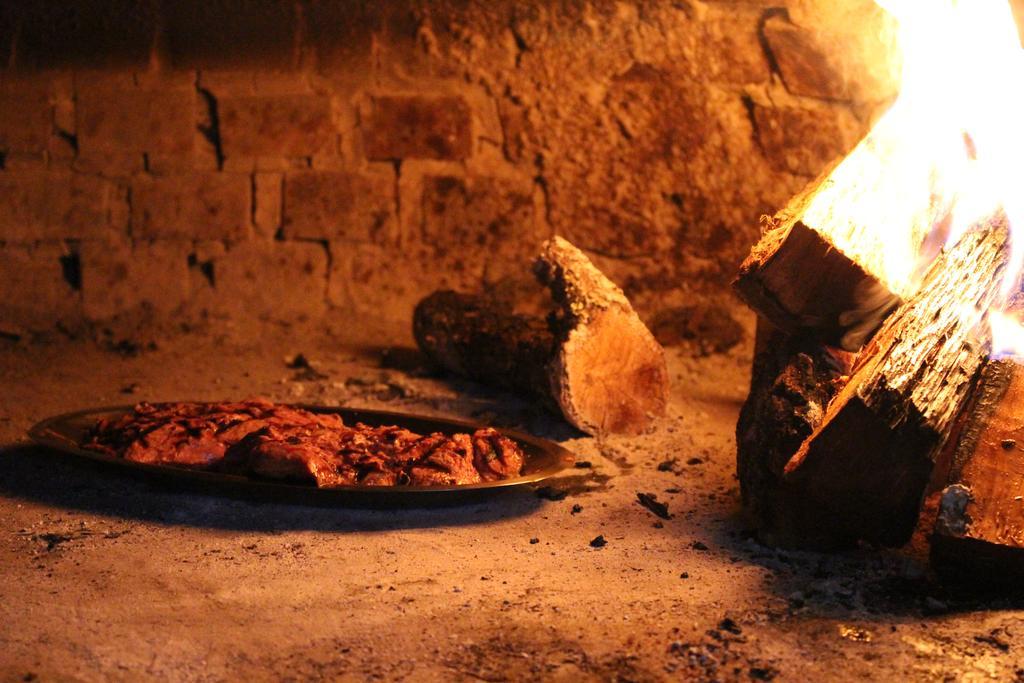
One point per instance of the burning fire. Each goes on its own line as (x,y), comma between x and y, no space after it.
(946,155)
(1007,334)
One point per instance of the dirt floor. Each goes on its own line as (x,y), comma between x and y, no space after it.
(106,577)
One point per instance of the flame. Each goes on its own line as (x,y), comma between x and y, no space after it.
(947,154)
(1007,335)
(960,106)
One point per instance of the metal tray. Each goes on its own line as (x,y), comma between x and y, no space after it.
(544,459)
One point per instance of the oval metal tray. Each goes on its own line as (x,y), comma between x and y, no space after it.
(544,459)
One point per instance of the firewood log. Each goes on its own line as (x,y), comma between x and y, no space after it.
(979,531)
(477,337)
(792,381)
(871,459)
(824,266)
(592,358)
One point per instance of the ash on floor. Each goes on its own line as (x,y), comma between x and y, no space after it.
(109,577)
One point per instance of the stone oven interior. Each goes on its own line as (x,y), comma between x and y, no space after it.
(219,200)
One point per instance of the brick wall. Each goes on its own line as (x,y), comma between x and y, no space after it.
(286,160)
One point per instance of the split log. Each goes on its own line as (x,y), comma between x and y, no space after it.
(979,532)
(800,281)
(793,379)
(592,358)
(870,461)
(828,265)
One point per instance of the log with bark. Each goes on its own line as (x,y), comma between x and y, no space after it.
(793,380)
(824,266)
(871,459)
(592,358)
(979,531)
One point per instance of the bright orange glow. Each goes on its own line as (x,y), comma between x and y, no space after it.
(1007,335)
(947,154)
(961,105)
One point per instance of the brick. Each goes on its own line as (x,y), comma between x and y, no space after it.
(56,205)
(288,126)
(25,161)
(418,127)
(119,278)
(26,119)
(381,282)
(86,34)
(335,204)
(476,212)
(118,165)
(342,34)
(86,206)
(478,226)
(267,201)
(195,206)
(203,34)
(729,49)
(807,67)
(34,294)
(801,141)
(272,280)
(136,120)
(171,164)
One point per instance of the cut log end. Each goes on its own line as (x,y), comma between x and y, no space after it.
(797,279)
(609,376)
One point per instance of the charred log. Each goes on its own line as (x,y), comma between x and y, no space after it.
(792,382)
(870,461)
(478,337)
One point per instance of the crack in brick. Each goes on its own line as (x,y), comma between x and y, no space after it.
(71,267)
(398,193)
(521,44)
(129,223)
(773,63)
(542,184)
(205,268)
(748,105)
(69,138)
(212,131)
(330,257)
(252,199)
(326,245)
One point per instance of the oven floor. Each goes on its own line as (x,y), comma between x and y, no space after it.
(106,577)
